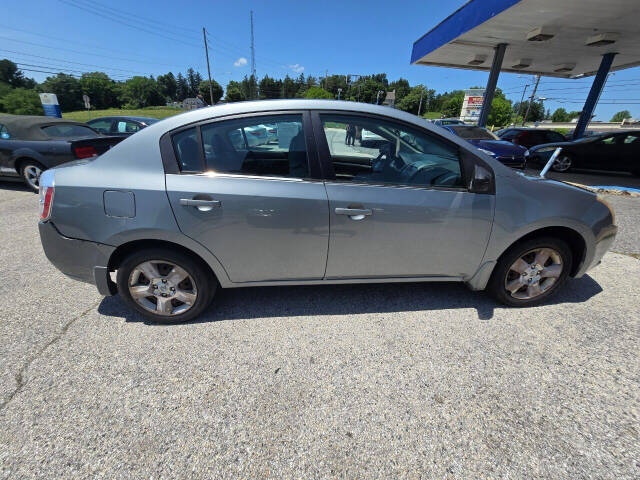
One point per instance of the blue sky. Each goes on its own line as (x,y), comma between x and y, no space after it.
(151,37)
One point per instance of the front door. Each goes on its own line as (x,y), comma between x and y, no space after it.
(245,192)
(398,203)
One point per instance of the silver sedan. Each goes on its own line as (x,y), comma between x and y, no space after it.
(193,203)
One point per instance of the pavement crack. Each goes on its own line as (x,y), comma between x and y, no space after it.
(21,377)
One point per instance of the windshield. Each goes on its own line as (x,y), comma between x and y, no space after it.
(68,130)
(473,133)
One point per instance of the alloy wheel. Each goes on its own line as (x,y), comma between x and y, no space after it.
(32,174)
(162,287)
(562,164)
(534,273)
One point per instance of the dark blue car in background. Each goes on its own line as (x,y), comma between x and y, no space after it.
(506,152)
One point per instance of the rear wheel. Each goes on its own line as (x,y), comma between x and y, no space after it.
(165,286)
(30,171)
(531,271)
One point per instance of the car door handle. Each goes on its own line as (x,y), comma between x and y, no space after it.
(354,213)
(202,205)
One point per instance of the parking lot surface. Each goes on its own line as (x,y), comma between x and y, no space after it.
(347,381)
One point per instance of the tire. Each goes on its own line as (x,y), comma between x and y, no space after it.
(199,283)
(563,163)
(560,263)
(30,172)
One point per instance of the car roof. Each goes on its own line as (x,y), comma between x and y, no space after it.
(29,127)
(123,117)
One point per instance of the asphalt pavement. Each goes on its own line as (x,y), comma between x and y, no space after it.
(347,381)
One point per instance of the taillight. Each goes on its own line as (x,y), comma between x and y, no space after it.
(256,133)
(85,152)
(46,202)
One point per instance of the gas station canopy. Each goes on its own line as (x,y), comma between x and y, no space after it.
(557,38)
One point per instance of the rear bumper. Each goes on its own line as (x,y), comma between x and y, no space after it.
(79,259)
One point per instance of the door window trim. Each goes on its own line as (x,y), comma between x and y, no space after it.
(466,159)
(170,159)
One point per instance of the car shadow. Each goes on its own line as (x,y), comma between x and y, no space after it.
(15,185)
(351,299)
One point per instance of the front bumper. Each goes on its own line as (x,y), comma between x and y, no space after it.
(604,241)
(79,259)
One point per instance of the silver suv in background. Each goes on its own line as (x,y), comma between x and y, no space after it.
(193,203)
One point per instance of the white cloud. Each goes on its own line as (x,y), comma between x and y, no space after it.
(240,62)
(297,68)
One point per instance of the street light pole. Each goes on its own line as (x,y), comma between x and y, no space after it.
(420,105)
(339,92)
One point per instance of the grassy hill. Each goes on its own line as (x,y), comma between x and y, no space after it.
(152,112)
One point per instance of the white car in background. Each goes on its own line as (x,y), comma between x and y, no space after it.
(370,139)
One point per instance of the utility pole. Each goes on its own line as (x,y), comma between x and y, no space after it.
(326,75)
(253,56)
(521,100)
(339,92)
(420,105)
(378,97)
(206,50)
(533,94)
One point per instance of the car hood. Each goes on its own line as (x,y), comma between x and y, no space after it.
(499,147)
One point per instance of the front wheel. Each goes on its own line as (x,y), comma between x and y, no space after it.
(531,271)
(562,164)
(30,172)
(165,286)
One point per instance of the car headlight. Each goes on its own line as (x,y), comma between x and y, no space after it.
(488,152)
(608,205)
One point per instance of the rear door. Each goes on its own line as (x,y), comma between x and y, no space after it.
(399,208)
(261,209)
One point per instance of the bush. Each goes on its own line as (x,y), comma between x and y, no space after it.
(21,101)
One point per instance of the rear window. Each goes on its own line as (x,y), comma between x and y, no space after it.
(473,133)
(70,130)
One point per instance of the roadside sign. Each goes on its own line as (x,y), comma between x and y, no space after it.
(87,103)
(50,105)
(472,104)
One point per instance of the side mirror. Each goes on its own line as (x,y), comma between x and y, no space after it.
(482,180)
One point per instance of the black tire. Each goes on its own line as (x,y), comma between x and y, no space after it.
(205,282)
(25,170)
(564,169)
(496,286)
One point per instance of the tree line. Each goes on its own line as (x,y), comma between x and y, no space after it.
(19,94)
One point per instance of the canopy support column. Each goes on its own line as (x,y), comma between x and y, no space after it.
(594,94)
(498,56)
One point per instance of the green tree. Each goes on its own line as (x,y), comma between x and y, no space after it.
(67,89)
(217,91)
(452,107)
(102,91)
(11,75)
(620,116)
(536,112)
(142,92)
(317,92)
(21,101)
(270,88)
(501,111)
(234,92)
(193,81)
(411,101)
(182,88)
(402,88)
(560,116)
(168,86)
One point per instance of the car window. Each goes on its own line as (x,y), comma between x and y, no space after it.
(185,144)
(266,146)
(473,133)
(633,138)
(102,125)
(609,141)
(554,137)
(4,133)
(125,126)
(370,150)
(68,130)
